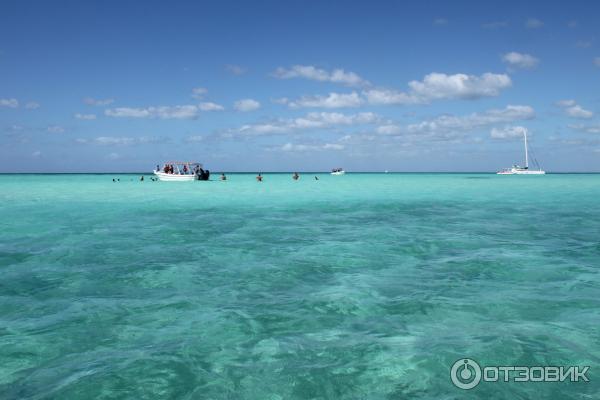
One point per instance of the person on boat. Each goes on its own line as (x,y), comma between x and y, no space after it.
(185,169)
(223,177)
(259,177)
(295,176)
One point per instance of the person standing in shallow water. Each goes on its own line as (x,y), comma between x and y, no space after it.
(223,177)
(259,177)
(295,176)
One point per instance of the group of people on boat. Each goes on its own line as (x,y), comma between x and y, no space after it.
(337,170)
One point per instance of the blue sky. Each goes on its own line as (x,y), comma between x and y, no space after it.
(279,86)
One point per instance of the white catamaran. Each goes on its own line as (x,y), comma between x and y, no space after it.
(518,170)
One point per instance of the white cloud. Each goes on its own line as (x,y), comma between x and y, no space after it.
(32,105)
(118,141)
(313,120)
(290,147)
(586,128)
(85,116)
(451,124)
(332,100)
(389,96)
(597,61)
(36,154)
(520,60)
(437,86)
(199,92)
(440,21)
(194,139)
(235,69)
(209,106)
(533,23)
(97,102)
(55,129)
(574,110)
(11,103)
(162,112)
(246,105)
(316,74)
(508,132)
(579,112)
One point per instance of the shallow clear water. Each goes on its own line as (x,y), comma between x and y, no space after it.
(359,286)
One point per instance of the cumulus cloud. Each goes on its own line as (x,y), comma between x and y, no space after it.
(209,106)
(32,105)
(520,60)
(437,86)
(451,124)
(119,140)
(313,120)
(162,112)
(55,129)
(10,103)
(310,72)
(574,110)
(332,100)
(235,69)
(533,23)
(97,102)
(246,105)
(595,129)
(85,116)
(199,92)
(290,147)
(508,132)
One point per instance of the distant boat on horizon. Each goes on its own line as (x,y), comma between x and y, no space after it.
(338,171)
(518,170)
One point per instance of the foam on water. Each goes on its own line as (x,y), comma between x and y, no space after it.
(356,286)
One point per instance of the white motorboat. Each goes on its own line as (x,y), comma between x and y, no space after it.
(182,171)
(338,171)
(518,170)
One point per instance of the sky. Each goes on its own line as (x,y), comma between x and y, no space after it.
(120,86)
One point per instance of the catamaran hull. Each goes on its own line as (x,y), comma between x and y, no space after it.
(521,173)
(174,177)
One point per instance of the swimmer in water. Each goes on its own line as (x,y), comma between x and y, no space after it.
(316,178)
(223,177)
(259,177)
(295,176)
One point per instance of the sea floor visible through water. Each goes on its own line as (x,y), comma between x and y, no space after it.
(363,286)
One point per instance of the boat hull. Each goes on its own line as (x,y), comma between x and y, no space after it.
(338,173)
(174,177)
(521,173)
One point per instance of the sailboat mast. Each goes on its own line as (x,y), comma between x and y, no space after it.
(526,155)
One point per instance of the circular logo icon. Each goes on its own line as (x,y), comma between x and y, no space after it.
(465,373)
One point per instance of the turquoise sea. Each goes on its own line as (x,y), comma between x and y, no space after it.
(364,286)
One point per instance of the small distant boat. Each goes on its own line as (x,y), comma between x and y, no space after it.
(338,171)
(518,170)
(182,171)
